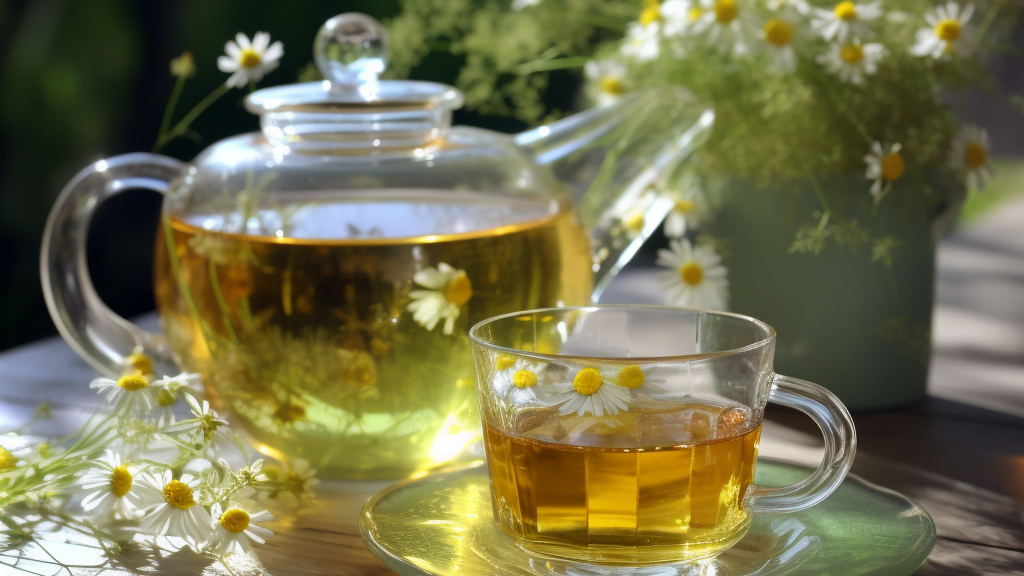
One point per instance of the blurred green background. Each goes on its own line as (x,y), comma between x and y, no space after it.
(86,79)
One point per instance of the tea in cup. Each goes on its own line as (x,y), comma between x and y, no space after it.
(629,435)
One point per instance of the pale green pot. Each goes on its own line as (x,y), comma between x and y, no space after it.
(855,326)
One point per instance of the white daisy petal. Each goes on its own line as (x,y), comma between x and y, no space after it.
(274,53)
(232,50)
(260,42)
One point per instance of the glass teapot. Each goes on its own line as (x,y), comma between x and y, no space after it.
(321,274)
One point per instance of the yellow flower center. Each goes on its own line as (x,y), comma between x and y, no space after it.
(133,382)
(524,378)
(587,381)
(846,11)
(165,399)
(235,520)
(948,30)
(209,425)
(852,53)
(684,206)
(650,14)
(633,222)
(139,361)
(778,32)
(7,460)
(892,166)
(726,11)
(179,495)
(613,86)
(696,13)
(975,155)
(505,361)
(459,290)
(250,58)
(631,377)
(691,273)
(121,481)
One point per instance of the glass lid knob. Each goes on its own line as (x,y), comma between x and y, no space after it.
(351,49)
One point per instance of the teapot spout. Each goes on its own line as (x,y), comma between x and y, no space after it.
(616,161)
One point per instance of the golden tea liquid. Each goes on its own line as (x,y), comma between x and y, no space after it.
(625,488)
(306,333)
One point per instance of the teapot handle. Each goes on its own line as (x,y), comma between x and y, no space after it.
(93,330)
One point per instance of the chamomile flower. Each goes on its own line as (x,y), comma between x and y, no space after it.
(588,392)
(607,80)
(885,166)
(249,61)
(846,20)
(852,61)
(205,426)
(248,475)
(778,37)
(294,484)
(108,487)
(633,377)
(969,156)
(234,527)
(725,25)
(166,393)
(633,223)
(695,276)
(138,361)
(448,291)
(170,509)
(127,394)
(515,379)
(645,381)
(686,213)
(184,381)
(944,33)
(642,42)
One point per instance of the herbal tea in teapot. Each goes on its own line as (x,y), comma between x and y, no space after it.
(315,333)
(321,273)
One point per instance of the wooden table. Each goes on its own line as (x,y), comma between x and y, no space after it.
(960,453)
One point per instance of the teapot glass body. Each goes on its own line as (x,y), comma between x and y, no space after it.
(331,321)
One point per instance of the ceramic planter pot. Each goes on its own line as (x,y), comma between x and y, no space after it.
(844,318)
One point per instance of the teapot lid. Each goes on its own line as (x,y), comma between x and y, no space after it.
(351,50)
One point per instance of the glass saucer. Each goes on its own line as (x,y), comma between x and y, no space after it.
(441,525)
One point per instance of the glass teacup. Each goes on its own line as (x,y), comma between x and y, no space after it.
(629,434)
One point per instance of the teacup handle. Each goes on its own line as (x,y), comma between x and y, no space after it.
(840,446)
(96,333)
